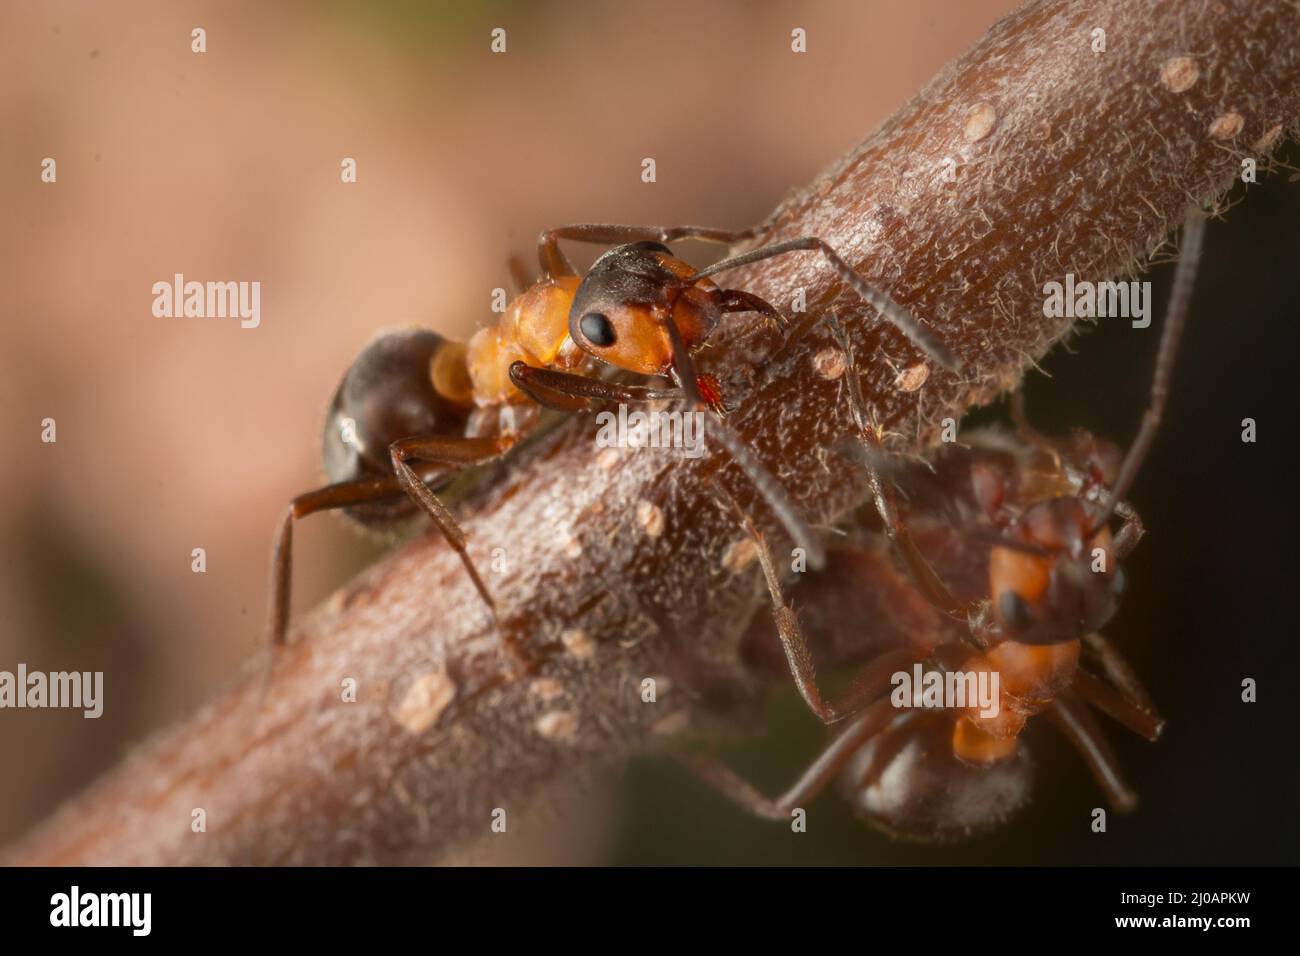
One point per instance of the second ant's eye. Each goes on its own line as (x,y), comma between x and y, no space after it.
(597,329)
(1015,612)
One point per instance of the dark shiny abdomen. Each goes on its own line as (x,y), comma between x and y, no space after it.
(388,395)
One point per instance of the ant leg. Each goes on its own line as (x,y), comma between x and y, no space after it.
(742,455)
(1130,533)
(1072,718)
(567,392)
(555,263)
(1027,431)
(1117,669)
(1136,717)
(1132,705)
(445,450)
(344,494)
(556,389)
(926,578)
(829,763)
(871,680)
(1175,318)
(890,310)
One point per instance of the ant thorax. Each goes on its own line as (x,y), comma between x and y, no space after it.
(533,330)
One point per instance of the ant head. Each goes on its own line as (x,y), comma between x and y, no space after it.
(1098,458)
(1053,579)
(989,486)
(908,782)
(620,309)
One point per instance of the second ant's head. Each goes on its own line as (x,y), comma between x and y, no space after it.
(1055,579)
(619,311)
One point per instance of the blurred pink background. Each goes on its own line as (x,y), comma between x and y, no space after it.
(182,433)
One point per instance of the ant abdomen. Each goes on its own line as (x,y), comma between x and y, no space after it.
(386,395)
(907,782)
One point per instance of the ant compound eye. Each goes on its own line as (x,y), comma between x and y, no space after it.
(1015,612)
(597,329)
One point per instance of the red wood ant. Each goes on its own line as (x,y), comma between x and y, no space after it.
(1050,582)
(414,409)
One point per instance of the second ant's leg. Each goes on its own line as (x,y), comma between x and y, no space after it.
(345,494)
(931,585)
(1130,532)
(1124,698)
(1117,669)
(870,681)
(1141,719)
(813,781)
(453,451)
(1071,717)
(1030,434)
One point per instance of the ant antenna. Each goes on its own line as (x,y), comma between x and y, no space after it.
(886,307)
(1175,319)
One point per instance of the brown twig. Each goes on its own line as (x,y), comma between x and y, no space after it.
(1030,157)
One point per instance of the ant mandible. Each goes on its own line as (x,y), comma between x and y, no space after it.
(414,408)
(1051,585)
